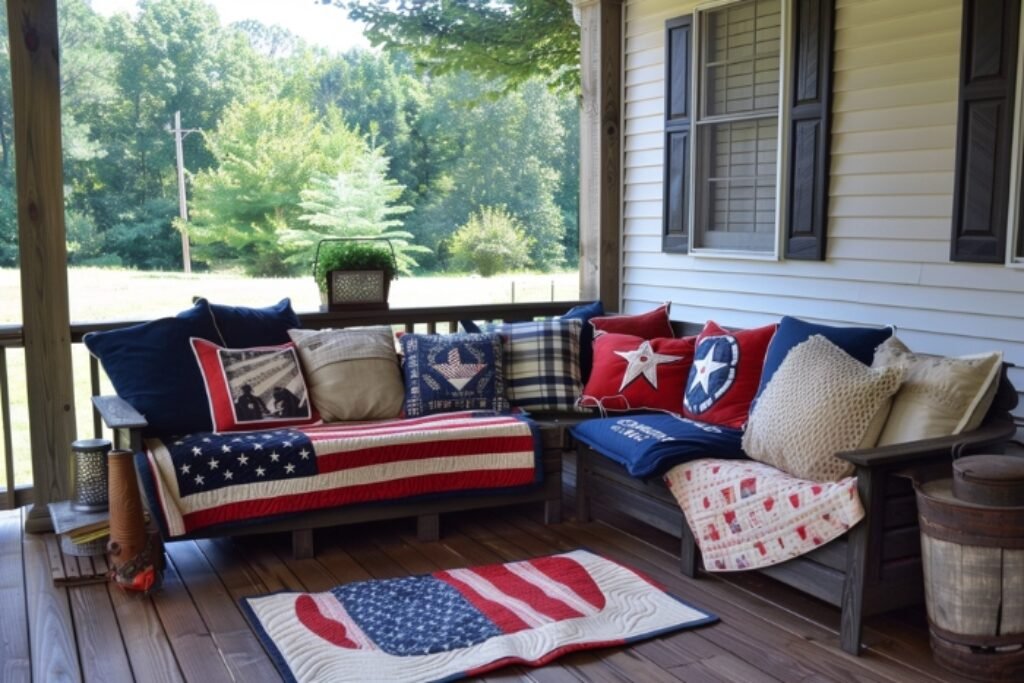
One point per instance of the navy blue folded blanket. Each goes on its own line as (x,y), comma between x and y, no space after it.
(651,444)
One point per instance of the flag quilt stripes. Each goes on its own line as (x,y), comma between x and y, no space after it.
(463,622)
(206,479)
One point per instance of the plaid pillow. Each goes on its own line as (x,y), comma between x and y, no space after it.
(542,363)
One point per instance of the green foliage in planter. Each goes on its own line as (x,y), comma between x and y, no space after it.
(353,256)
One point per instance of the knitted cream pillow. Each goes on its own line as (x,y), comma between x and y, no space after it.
(820,401)
(939,396)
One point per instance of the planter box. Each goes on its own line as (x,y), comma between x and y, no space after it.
(349,290)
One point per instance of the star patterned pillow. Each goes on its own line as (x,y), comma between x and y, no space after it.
(725,374)
(445,373)
(632,373)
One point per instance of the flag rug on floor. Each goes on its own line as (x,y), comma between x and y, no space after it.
(462,622)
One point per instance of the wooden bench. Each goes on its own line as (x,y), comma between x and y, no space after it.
(873,568)
(127,425)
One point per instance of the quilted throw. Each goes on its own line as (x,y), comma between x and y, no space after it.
(204,479)
(463,622)
(747,515)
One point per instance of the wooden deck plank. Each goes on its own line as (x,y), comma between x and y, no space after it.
(245,658)
(51,631)
(768,632)
(194,647)
(101,650)
(15,665)
(805,641)
(145,640)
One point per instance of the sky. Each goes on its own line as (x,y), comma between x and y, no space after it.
(319,24)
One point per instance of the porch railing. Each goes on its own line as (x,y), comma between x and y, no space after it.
(427,319)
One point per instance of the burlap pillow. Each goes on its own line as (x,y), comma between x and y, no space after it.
(939,396)
(820,401)
(352,374)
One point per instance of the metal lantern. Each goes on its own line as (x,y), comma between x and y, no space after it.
(89,474)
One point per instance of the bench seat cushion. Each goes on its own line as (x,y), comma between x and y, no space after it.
(649,444)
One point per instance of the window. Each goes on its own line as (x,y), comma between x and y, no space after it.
(736,154)
(758,128)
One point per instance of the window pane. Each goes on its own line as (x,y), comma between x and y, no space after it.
(736,208)
(741,58)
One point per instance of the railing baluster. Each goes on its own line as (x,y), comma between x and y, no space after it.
(94,380)
(5,410)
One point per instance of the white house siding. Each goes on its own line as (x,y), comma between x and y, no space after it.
(890,206)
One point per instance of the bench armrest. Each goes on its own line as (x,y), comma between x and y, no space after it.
(990,433)
(117,413)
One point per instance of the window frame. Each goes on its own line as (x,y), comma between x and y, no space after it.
(1015,202)
(697,101)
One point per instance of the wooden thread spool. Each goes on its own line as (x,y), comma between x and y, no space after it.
(127,524)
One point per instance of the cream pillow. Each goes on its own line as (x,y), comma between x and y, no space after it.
(820,401)
(353,374)
(940,396)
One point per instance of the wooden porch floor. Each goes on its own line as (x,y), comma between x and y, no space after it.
(192,630)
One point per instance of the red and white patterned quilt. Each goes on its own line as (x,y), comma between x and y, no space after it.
(747,515)
(204,479)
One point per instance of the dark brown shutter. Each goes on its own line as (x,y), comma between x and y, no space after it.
(988,73)
(810,120)
(676,209)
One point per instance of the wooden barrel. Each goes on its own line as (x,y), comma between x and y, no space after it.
(973,559)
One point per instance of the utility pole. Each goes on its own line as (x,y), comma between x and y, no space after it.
(179,135)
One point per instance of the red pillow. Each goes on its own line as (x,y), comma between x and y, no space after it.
(631,373)
(255,388)
(725,374)
(650,325)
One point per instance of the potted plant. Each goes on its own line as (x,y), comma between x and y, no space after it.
(354,274)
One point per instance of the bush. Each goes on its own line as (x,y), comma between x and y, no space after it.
(491,242)
(353,256)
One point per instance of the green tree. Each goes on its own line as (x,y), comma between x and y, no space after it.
(267,151)
(502,152)
(382,100)
(492,241)
(358,201)
(508,42)
(174,56)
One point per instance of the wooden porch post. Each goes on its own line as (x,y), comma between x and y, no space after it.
(600,148)
(35,86)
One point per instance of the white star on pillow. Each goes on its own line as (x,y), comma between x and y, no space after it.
(644,361)
(704,368)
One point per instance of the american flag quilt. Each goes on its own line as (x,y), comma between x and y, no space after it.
(748,515)
(463,622)
(200,480)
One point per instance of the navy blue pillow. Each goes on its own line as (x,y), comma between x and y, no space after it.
(584,312)
(859,342)
(242,327)
(647,445)
(153,368)
(450,372)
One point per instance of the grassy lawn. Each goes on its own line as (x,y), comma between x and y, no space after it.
(104,294)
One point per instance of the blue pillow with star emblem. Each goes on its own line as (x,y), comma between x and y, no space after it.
(445,373)
(648,445)
(725,374)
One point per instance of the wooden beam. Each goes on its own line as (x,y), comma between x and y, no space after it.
(35,86)
(600,149)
